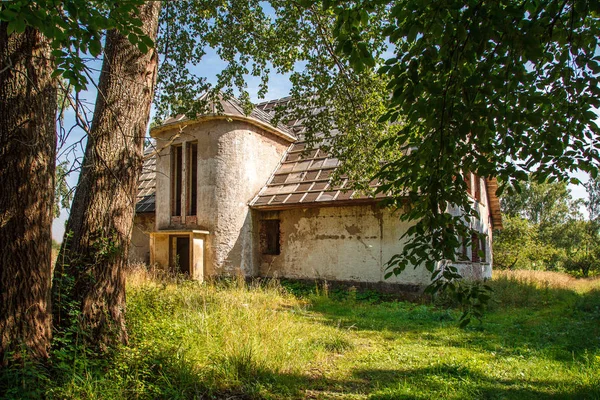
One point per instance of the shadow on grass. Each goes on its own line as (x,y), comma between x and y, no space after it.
(163,375)
(443,381)
(561,324)
(183,381)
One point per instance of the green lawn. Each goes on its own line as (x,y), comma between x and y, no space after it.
(230,340)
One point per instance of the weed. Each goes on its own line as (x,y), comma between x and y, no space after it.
(271,340)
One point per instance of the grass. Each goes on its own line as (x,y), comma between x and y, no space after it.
(233,340)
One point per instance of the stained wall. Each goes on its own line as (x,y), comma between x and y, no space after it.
(139,249)
(350,243)
(235,159)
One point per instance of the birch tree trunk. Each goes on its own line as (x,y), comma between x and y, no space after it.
(27,159)
(98,231)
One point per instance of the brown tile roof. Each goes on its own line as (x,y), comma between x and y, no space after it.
(304,179)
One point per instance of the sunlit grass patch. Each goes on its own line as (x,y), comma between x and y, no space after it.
(239,340)
(549,279)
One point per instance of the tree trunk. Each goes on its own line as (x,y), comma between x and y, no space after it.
(98,231)
(27,159)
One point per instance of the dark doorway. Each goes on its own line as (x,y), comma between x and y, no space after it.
(180,254)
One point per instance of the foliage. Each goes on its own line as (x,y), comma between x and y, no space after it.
(62,194)
(228,339)
(76,29)
(252,39)
(544,230)
(499,89)
(542,203)
(472,297)
(582,262)
(519,246)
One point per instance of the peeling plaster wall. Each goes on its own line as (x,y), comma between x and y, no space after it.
(139,249)
(235,159)
(351,243)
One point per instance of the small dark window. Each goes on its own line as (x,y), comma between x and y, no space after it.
(180,254)
(269,237)
(475,248)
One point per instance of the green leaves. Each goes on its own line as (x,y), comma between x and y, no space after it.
(75,27)
(493,88)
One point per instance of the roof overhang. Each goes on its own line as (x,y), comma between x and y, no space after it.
(179,232)
(317,204)
(491,186)
(226,117)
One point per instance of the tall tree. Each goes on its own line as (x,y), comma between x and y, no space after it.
(38,41)
(89,289)
(541,203)
(592,188)
(27,149)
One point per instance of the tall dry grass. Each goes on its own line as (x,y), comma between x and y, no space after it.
(549,279)
(225,335)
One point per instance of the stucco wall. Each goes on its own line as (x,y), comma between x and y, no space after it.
(351,243)
(235,159)
(139,249)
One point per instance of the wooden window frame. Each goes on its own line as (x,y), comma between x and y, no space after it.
(477,188)
(483,248)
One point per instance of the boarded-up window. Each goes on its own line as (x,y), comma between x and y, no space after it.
(475,248)
(176,180)
(269,237)
(192,178)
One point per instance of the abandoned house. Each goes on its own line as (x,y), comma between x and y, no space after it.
(230,193)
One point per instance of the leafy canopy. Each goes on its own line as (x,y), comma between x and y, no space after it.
(500,88)
(75,29)
(254,38)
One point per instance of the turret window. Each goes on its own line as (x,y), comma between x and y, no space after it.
(176,180)
(192,178)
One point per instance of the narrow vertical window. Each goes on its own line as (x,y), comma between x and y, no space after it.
(176,180)
(482,248)
(192,178)
(269,237)
(468,182)
(463,254)
(475,248)
(477,191)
